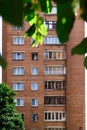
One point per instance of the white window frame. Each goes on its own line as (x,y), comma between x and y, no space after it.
(18,27)
(34,102)
(54,128)
(54,10)
(18,86)
(52,40)
(55,115)
(54,85)
(59,54)
(19,102)
(18,55)
(34,86)
(54,70)
(50,25)
(18,40)
(34,71)
(18,70)
(54,100)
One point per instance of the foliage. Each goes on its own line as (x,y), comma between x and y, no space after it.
(31,11)
(9,118)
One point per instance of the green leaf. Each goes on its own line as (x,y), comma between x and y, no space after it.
(43,30)
(29,12)
(2,62)
(30,31)
(46,6)
(12,11)
(34,20)
(38,39)
(65,21)
(83,9)
(26,1)
(42,27)
(85,62)
(60,1)
(80,48)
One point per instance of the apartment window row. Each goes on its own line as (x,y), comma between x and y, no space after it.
(51,55)
(48,100)
(54,85)
(55,128)
(47,40)
(49,85)
(55,116)
(55,55)
(49,70)
(50,116)
(54,100)
(55,70)
(50,24)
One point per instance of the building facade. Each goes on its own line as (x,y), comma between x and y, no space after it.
(49,82)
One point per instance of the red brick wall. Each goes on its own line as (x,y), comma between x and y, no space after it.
(75,80)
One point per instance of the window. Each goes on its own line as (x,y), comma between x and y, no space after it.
(54,10)
(35,56)
(34,102)
(55,116)
(18,86)
(54,85)
(55,70)
(34,86)
(18,27)
(19,102)
(18,55)
(55,128)
(34,117)
(34,71)
(54,100)
(50,24)
(51,40)
(55,55)
(18,40)
(18,70)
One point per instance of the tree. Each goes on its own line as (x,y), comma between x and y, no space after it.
(30,11)
(9,118)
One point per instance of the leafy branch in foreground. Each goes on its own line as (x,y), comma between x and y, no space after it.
(32,10)
(10,119)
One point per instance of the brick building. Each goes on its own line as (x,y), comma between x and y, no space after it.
(49,81)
